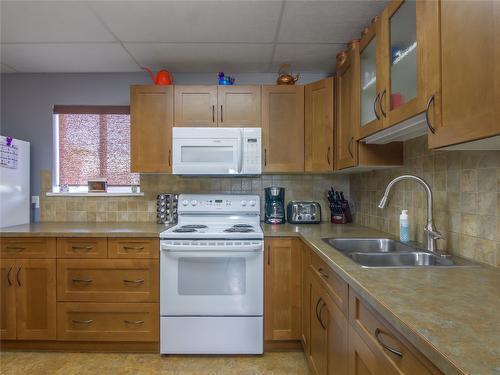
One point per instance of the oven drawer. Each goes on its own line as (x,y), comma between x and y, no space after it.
(133,248)
(24,247)
(82,247)
(107,321)
(107,280)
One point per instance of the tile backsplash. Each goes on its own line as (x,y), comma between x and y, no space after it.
(143,209)
(466,191)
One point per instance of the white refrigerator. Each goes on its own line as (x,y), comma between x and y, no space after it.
(14,182)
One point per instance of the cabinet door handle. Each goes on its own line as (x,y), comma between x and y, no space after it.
(393,351)
(375,106)
(133,248)
(319,316)
(221,114)
(8,276)
(169,158)
(268,254)
(265,157)
(89,321)
(427,118)
(380,103)
(85,281)
(83,248)
(323,273)
(126,321)
(328,155)
(17,276)
(349,147)
(316,308)
(16,248)
(138,281)
(213,113)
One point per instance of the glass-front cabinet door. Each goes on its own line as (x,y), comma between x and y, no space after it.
(409,30)
(370,119)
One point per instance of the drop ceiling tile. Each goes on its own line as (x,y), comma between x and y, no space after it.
(67,58)
(307,57)
(50,21)
(326,21)
(202,57)
(191,21)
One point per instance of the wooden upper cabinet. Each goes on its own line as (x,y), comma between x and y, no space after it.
(319,119)
(282,289)
(239,106)
(7,299)
(283,128)
(469,105)
(370,80)
(151,121)
(410,58)
(347,109)
(195,105)
(36,299)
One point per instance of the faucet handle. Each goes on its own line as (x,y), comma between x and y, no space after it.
(434,233)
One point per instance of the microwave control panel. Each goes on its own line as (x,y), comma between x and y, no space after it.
(252,151)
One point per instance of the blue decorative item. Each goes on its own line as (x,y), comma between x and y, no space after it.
(225,80)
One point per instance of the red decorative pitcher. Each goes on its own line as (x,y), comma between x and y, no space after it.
(163,77)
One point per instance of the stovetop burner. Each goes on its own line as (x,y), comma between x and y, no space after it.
(242,226)
(194,226)
(184,230)
(239,229)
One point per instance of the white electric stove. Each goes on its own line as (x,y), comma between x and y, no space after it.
(211,277)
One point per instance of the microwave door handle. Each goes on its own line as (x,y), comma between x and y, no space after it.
(240,158)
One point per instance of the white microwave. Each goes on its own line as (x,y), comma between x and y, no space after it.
(216,151)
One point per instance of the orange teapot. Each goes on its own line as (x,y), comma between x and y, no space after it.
(163,77)
(285,77)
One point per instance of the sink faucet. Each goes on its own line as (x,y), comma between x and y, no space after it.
(432,234)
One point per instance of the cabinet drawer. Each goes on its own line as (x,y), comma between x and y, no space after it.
(108,321)
(33,247)
(336,287)
(107,280)
(382,337)
(82,247)
(133,248)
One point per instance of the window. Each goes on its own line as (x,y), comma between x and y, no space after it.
(92,142)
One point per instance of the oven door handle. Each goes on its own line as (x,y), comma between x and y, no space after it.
(216,248)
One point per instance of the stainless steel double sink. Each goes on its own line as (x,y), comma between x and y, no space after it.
(385,252)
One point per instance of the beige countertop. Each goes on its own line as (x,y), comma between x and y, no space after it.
(84,230)
(452,315)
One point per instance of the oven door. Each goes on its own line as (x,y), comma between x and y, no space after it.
(211,282)
(202,156)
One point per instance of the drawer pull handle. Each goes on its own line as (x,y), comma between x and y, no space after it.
(86,281)
(138,281)
(323,273)
(133,321)
(393,351)
(90,321)
(82,248)
(16,248)
(135,248)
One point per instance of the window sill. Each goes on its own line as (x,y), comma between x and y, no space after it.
(85,194)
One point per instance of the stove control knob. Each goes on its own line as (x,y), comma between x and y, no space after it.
(243,203)
(194,202)
(252,203)
(185,202)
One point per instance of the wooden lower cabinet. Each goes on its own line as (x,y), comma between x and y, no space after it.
(304,286)
(362,360)
(328,328)
(282,289)
(28,299)
(108,321)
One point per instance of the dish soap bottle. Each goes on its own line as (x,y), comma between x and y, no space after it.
(404,227)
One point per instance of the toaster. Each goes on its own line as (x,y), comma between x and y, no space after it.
(303,212)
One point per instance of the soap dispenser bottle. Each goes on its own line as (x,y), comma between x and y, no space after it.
(404,227)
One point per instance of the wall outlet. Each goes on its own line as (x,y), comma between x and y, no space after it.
(35,199)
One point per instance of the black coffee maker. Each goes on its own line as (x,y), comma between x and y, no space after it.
(275,205)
